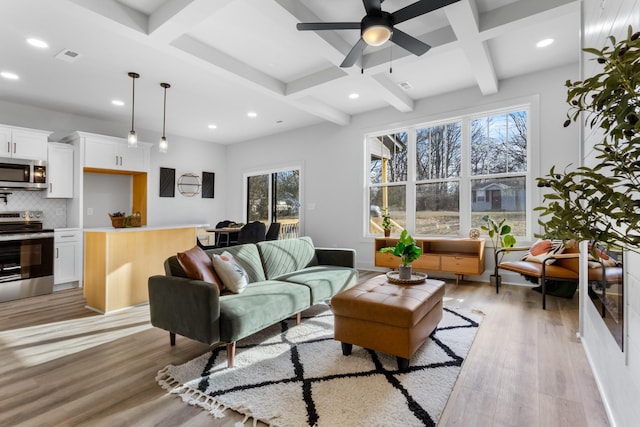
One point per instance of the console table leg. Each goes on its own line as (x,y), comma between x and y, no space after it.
(346,348)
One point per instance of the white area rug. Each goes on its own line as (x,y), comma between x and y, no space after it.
(290,375)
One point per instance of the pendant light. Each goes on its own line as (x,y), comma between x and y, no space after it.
(132,140)
(163,146)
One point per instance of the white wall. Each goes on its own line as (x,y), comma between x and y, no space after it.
(617,372)
(334,168)
(185,155)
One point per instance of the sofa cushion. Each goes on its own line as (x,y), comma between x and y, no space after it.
(260,305)
(197,265)
(234,277)
(248,257)
(323,281)
(285,256)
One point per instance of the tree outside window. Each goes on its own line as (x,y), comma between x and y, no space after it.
(459,171)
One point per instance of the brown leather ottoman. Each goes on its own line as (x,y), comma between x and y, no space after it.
(393,319)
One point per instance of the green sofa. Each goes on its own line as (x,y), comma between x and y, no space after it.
(285,277)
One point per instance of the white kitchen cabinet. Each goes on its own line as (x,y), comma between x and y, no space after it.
(103,153)
(22,143)
(59,171)
(68,255)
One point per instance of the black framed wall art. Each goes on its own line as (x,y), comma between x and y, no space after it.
(167,182)
(208,185)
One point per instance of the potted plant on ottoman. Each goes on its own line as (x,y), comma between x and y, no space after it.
(407,250)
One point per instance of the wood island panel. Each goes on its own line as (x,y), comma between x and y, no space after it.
(119,263)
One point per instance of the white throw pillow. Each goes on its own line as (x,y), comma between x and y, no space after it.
(234,277)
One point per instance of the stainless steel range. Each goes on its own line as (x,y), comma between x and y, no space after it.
(26,255)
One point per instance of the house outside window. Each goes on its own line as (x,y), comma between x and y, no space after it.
(440,179)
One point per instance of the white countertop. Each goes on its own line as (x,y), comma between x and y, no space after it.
(143,228)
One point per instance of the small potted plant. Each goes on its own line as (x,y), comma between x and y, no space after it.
(407,250)
(386,223)
(501,237)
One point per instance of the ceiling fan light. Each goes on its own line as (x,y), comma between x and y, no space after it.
(376,35)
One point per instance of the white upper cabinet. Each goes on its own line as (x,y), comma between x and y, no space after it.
(59,171)
(107,153)
(21,143)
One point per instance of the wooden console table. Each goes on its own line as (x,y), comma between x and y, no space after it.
(458,256)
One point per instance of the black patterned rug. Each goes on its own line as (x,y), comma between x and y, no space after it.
(289,375)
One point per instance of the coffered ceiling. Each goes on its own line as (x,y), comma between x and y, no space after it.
(225,58)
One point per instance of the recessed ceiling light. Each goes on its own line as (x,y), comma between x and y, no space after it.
(354,95)
(212,126)
(544,43)
(252,114)
(117,102)
(8,75)
(37,43)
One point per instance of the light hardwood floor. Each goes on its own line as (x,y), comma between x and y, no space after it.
(63,365)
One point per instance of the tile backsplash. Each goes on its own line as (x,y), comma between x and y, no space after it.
(54,210)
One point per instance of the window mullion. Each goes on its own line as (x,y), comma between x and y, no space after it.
(411,180)
(465,173)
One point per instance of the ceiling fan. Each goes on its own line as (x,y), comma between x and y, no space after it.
(377,27)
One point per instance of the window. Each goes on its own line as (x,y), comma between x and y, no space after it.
(275,197)
(442,178)
(438,165)
(388,177)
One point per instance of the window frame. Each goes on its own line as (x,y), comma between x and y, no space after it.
(271,173)
(529,104)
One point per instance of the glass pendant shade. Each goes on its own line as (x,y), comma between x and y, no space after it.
(132,139)
(163,145)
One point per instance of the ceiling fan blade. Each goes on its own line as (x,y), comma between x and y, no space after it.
(354,54)
(409,43)
(419,8)
(373,7)
(314,26)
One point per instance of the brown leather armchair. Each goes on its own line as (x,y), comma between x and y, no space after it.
(566,267)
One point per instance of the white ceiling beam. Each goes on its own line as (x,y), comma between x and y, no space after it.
(176,17)
(229,66)
(392,93)
(334,48)
(437,39)
(464,19)
(524,12)
(318,108)
(316,79)
(235,70)
(117,12)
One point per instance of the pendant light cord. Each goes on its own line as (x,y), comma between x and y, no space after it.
(164,111)
(133,76)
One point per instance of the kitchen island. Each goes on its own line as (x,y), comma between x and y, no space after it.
(118,262)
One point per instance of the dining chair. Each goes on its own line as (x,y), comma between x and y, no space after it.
(273,233)
(252,232)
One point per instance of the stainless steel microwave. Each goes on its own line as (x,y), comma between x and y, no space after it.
(23,174)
